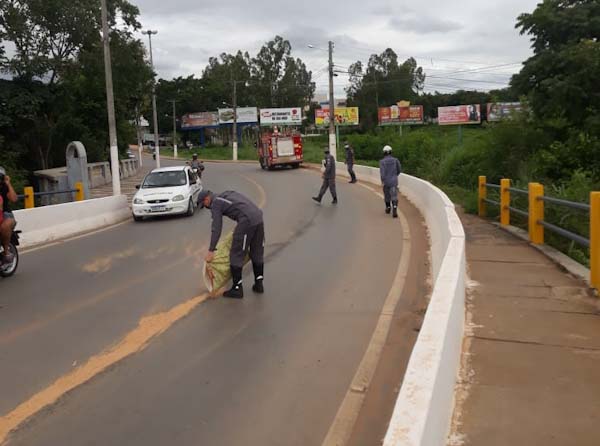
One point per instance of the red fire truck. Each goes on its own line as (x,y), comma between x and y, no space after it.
(280,148)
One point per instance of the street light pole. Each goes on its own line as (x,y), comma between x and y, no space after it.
(235,141)
(174,129)
(110,104)
(155,116)
(332,138)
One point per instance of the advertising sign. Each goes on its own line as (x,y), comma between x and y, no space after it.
(395,115)
(501,110)
(245,115)
(204,119)
(459,114)
(343,116)
(281,116)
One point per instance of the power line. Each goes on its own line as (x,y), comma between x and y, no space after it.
(416,56)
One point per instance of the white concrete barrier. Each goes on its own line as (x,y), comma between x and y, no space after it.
(50,223)
(423,410)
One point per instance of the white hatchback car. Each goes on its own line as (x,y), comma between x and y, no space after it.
(167,191)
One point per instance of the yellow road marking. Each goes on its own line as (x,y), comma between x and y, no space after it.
(135,341)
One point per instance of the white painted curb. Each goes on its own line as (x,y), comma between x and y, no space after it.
(50,223)
(423,410)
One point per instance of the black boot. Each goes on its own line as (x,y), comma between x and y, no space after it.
(236,291)
(395,215)
(334,201)
(258,278)
(388,209)
(317,199)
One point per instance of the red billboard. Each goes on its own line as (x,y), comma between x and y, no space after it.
(203,119)
(459,114)
(395,115)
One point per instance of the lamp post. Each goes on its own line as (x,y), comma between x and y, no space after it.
(173,101)
(332,136)
(110,104)
(150,33)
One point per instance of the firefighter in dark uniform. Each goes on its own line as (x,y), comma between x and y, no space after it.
(328,178)
(390,169)
(350,161)
(248,236)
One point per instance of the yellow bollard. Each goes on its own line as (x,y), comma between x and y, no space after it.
(482,196)
(29,198)
(595,239)
(536,213)
(504,202)
(79,195)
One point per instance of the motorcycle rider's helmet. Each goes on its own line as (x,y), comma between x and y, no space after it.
(387,149)
(195,156)
(2,174)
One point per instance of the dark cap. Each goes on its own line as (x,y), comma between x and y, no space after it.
(202,195)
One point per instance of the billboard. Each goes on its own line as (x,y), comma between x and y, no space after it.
(395,115)
(459,114)
(245,115)
(343,116)
(498,111)
(204,119)
(281,116)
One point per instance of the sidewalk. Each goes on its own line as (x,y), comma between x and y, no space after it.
(127,184)
(531,359)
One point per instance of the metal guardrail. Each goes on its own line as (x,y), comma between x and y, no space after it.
(567,234)
(570,204)
(535,217)
(45,194)
(29,195)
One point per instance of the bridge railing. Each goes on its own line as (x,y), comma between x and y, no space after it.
(29,194)
(535,217)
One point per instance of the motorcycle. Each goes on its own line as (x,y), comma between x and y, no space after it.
(8,269)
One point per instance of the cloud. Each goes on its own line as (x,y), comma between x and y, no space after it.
(424,25)
(437,33)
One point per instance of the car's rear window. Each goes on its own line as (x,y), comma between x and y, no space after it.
(165,179)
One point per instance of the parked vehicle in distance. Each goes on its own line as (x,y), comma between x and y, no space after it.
(280,149)
(167,191)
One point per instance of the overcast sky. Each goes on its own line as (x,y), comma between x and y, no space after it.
(446,37)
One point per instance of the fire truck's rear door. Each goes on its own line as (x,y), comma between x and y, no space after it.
(285,147)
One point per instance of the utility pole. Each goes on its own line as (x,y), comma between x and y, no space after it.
(155,116)
(235,141)
(332,138)
(174,129)
(139,133)
(110,104)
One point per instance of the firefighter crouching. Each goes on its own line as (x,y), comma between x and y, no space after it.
(248,236)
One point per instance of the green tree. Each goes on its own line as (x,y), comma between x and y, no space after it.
(57,64)
(562,78)
(383,82)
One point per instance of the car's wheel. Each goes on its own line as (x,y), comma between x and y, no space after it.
(136,218)
(191,208)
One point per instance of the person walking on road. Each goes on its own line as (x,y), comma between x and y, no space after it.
(328,178)
(350,161)
(390,169)
(248,236)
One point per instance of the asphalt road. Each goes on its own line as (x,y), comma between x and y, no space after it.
(267,370)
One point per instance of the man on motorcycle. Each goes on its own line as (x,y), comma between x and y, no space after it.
(197,165)
(8,224)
